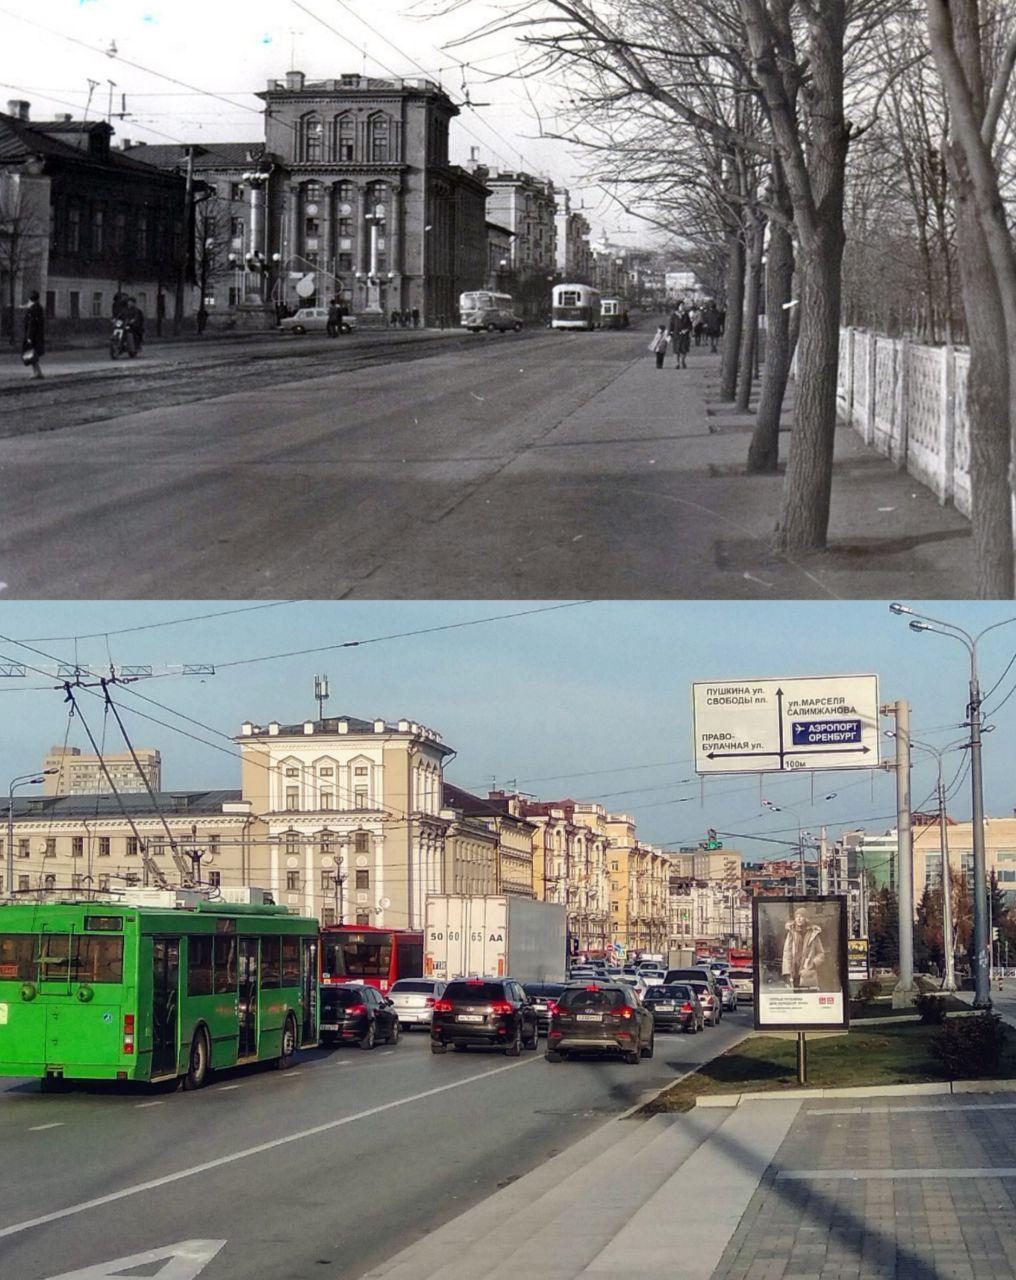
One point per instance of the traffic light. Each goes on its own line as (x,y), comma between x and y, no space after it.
(712,840)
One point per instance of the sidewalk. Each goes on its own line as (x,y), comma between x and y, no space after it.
(785,1189)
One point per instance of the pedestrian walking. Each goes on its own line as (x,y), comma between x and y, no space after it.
(33,348)
(396,316)
(407,318)
(712,322)
(680,335)
(416,317)
(695,314)
(659,344)
(334,319)
(135,318)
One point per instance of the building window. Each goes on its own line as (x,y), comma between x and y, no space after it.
(345,228)
(74,298)
(213,843)
(104,884)
(132,846)
(327,881)
(292,773)
(327,800)
(50,303)
(24,884)
(236,191)
(361,842)
(98,231)
(236,228)
(363,879)
(328,915)
(360,798)
(360,771)
(157,847)
(293,880)
(292,839)
(234,296)
(326,844)
(345,262)
(363,917)
(313,141)
(344,194)
(120,231)
(312,227)
(292,798)
(50,851)
(345,136)
(49,882)
(76,880)
(74,229)
(215,879)
(23,849)
(327,772)
(378,135)
(97,304)
(103,846)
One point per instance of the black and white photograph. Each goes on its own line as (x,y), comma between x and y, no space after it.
(801,962)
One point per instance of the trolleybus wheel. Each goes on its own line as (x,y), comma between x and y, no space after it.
(197,1062)
(287,1053)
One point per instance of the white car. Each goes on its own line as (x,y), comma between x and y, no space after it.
(313,320)
(414,998)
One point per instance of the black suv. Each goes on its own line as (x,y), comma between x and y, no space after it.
(607,1016)
(350,1011)
(491,1012)
(676,1007)
(543,995)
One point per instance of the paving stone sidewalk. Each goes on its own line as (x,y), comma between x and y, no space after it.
(912,1189)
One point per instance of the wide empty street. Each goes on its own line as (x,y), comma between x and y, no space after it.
(326,1169)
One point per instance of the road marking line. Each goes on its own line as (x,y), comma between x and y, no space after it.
(160,1103)
(169,1178)
(224,1088)
(36,1128)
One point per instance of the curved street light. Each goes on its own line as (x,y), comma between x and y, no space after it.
(923,622)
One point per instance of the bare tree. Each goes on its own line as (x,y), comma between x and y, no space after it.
(23,228)
(211,246)
(960,36)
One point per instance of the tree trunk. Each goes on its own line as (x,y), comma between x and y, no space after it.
(749,335)
(764,451)
(804,518)
(735,314)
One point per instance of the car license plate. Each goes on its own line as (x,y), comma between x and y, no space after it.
(329,1026)
(469,1017)
(589,1017)
(664,1007)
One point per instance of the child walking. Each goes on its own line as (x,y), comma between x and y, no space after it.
(659,345)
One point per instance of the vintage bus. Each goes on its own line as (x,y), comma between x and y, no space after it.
(574,306)
(613,313)
(366,953)
(482,309)
(163,986)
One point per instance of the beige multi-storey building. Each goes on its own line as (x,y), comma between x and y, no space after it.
(500,812)
(67,771)
(639,888)
(360,800)
(85,843)
(570,866)
(470,861)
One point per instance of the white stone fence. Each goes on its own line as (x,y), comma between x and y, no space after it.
(909,402)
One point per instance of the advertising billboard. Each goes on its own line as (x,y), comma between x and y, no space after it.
(857,958)
(800,963)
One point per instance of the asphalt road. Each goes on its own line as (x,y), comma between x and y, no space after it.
(357,1155)
(374,478)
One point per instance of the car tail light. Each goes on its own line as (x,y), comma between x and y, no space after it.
(128,1033)
(621,1011)
(552,1008)
(502,1006)
(356,1008)
(591,987)
(430,1002)
(686,1008)
(442,1006)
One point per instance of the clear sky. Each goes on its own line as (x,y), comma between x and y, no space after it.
(232,47)
(591,701)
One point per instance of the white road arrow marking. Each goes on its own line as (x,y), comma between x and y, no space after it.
(181,1261)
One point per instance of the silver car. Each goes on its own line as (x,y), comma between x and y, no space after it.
(414,998)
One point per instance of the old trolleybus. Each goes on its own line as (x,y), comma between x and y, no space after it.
(574,306)
(483,309)
(164,985)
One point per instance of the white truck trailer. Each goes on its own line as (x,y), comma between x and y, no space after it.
(494,935)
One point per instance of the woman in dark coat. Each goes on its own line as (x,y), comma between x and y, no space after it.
(34,344)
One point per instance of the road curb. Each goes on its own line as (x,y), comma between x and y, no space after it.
(656,1093)
(861,1091)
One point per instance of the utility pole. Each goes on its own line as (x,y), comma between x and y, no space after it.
(823,870)
(982,981)
(905,992)
(185,252)
(949,981)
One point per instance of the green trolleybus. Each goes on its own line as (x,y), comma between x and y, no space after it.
(169,986)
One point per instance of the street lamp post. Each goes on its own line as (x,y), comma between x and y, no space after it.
(25,780)
(922,622)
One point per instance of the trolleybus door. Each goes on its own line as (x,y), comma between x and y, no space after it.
(165,1005)
(309,983)
(248,993)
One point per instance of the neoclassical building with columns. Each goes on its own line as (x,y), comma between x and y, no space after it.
(351,196)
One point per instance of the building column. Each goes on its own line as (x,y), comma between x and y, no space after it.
(328,239)
(360,207)
(291,218)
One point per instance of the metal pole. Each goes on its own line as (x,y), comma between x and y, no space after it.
(800,858)
(904,993)
(982,985)
(949,981)
(802,1058)
(10,842)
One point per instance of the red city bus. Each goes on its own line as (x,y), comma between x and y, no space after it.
(365,953)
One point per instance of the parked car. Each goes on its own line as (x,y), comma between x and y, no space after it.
(542,995)
(727,993)
(354,1011)
(313,320)
(606,1017)
(414,998)
(676,1008)
(490,1012)
(710,1002)
(744,983)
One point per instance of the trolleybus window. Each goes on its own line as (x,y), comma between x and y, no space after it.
(271,955)
(17,956)
(224,969)
(199,965)
(290,962)
(81,958)
(358,956)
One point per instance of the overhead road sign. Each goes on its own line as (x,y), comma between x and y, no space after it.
(773,726)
